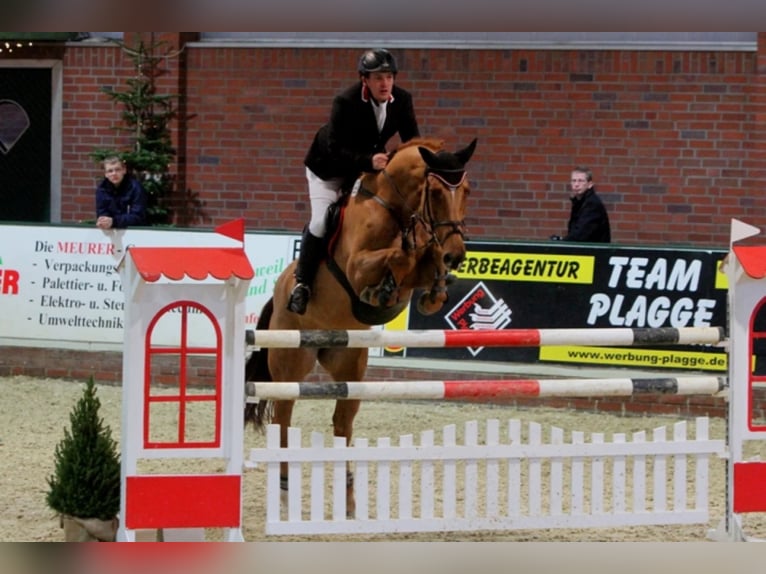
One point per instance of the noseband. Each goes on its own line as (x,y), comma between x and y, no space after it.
(452,179)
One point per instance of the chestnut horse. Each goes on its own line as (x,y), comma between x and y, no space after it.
(401,229)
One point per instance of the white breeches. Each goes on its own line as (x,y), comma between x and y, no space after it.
(322,193)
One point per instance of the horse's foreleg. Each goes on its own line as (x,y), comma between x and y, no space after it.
(433,299)
(379,274)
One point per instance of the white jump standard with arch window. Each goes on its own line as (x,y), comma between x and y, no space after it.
(195,297)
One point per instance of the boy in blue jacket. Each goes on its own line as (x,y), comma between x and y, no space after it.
(120,198)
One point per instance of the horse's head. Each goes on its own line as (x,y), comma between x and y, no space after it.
(444,200)
(425,189)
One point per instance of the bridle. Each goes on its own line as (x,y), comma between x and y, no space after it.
(424,215)
(452,179)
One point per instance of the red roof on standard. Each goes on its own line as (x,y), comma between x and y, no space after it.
(753,259)
(198,263)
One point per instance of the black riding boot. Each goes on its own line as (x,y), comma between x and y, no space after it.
(311,255)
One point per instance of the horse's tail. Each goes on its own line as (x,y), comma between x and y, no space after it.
(257,369)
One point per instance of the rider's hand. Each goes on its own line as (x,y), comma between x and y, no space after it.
(379,161)
(104,222)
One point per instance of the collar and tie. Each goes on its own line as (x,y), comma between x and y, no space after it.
(378,108)
(380,113)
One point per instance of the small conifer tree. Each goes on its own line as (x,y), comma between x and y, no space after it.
(86,480)
(147,116)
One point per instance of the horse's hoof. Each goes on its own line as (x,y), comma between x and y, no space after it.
(434,296)
(427,306)
(387,291)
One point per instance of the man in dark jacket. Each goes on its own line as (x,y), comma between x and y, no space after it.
(363,119)
(588,220)
(120,199)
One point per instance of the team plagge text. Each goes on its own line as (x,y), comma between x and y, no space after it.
(643,292)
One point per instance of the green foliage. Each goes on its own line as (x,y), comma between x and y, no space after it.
(147,116)
(86,479)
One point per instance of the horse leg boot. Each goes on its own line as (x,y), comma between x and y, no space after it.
(306,269)
(387,289)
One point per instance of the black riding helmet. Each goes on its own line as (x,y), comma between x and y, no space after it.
(377,61)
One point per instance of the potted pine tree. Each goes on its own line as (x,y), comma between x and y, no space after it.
(84,488)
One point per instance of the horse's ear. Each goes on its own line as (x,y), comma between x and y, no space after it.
(445,160)
(465,154)
(428,156)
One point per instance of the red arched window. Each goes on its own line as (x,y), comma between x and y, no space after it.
(182,378)
(756,398)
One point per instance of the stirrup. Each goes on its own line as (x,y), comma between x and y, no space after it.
(299,298)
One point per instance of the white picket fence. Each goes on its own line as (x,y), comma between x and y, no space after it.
(490,483)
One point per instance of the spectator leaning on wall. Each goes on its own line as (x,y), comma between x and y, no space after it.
(588,219)
(120,198)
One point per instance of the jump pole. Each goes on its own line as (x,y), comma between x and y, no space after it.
(486,389)
(435,338)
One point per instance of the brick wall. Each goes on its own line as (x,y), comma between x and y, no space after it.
(675,138)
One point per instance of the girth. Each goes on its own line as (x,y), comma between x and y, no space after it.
(364,312)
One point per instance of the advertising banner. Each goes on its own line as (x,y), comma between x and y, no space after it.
(59,286)
(567,285)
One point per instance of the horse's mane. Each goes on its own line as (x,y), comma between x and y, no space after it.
(431,143)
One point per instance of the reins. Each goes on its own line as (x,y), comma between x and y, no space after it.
(405,230)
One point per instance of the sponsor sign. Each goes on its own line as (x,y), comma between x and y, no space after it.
(567,285)
(59,286)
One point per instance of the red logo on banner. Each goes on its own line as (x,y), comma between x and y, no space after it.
(9,282)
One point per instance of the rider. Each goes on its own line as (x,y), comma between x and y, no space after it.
(363,118)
